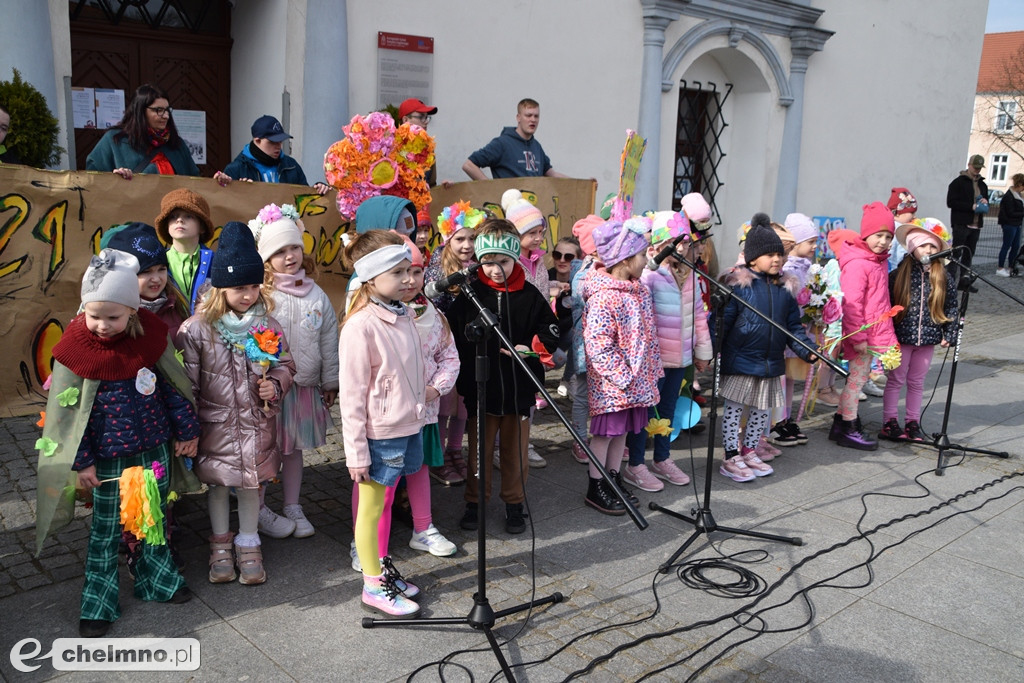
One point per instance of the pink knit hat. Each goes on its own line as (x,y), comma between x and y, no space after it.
(583,230)
(520,212)
(876,218)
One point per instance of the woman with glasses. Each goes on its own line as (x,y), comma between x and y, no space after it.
(144,141)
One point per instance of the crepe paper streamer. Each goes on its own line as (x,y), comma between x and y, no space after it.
(687,414)
(68,397)
(42,419)
(179,355)
(141,515)
(46,446)
(830,344)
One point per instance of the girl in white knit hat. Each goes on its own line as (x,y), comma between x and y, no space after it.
(310,326)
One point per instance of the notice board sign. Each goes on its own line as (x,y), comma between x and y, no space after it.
(405,68)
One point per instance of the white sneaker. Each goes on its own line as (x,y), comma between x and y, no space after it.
(274,525)
(1003,272)
(535,458)
(431,541)
(563,390)
(303,529)
(862,396)
(872,389)
(356,566)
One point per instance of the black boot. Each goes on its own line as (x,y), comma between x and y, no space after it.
(515,518)
(600,497)
(853,436)
(469,519)
(617,476)
(93,628)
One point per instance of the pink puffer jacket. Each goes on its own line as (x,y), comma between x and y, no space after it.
(238,444)
(682,325)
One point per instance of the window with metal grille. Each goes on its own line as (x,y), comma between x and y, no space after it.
(699,128)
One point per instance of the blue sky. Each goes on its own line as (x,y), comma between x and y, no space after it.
(1005,15)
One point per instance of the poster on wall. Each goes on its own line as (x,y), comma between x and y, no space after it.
(109,107)
(83,107)
(405,68)
(191,127)
(826,224)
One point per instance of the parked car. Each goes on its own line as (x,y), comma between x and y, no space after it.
(994,197)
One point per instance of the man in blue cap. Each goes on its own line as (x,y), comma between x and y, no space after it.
(263,161)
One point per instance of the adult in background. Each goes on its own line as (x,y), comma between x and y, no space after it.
(967,199)
(263,159)
(413,110)
(6,155)
(516,152)
(144,141)
(1011,215)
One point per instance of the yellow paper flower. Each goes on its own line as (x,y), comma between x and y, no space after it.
(892,358)
(659,427)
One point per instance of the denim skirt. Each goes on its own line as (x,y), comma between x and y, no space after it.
(394,458)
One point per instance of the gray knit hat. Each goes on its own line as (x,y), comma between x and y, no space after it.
(112,276)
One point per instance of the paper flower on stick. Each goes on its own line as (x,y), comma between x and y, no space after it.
(42,419)
(891,358)
(377,158)
(140,503)
(658,425)
(263,346)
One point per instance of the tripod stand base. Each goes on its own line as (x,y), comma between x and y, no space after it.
(704,523)
(942,444)
(481,618)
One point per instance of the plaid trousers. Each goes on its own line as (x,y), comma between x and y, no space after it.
(156,577)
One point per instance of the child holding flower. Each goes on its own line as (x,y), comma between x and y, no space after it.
(927,294)
(867,330)
(238,361)
(310,326)
(117,400)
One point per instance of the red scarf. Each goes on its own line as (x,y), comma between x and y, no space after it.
(117,358)
(158,138)
(513,283)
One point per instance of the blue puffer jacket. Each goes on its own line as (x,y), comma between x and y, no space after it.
(751,346)
(124,422)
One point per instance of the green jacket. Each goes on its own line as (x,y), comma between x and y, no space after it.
(109,154)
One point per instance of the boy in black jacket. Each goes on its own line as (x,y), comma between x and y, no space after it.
(523,314)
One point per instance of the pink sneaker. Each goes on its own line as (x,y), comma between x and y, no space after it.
(765,450)
(541,403)
(641,478)
(578,454)
(736,469)
(669,471)
(380,594)
(754,463)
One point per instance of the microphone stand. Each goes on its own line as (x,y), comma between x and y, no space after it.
(941,438)
(482,617)
(701,518)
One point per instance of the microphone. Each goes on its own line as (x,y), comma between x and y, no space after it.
(441,285)
(928,258)
(666,251)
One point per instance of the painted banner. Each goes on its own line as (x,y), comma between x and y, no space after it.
(51,222)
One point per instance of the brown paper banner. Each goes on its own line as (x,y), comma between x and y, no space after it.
(51,222)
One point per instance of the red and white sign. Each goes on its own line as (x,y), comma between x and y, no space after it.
(405,68)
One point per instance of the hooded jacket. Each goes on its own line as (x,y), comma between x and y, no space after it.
(750,345)
(960,198)
(246,167)
(510,156)
(382,212)
(863,277)
(238,446)
(623,357)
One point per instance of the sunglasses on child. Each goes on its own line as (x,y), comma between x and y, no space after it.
(562,256)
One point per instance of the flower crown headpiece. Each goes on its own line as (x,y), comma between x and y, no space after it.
(677,225)
(458,216)
(270,214)
(934,226)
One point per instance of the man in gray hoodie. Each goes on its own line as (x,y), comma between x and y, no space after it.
(515,153)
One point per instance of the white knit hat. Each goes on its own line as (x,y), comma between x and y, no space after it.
(112,276)
(520,212)
(276,227)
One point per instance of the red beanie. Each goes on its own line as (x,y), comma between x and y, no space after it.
(876,218)
(901,201)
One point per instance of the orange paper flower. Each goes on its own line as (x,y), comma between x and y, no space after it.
(42,419)
(268,341)
(891,313)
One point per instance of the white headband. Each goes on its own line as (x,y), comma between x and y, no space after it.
(381,261)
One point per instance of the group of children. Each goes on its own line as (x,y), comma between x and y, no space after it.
(254,389)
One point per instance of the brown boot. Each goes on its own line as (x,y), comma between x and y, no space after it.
(222,561)
(250,565)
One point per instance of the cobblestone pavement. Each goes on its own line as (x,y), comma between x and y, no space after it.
(597,562)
